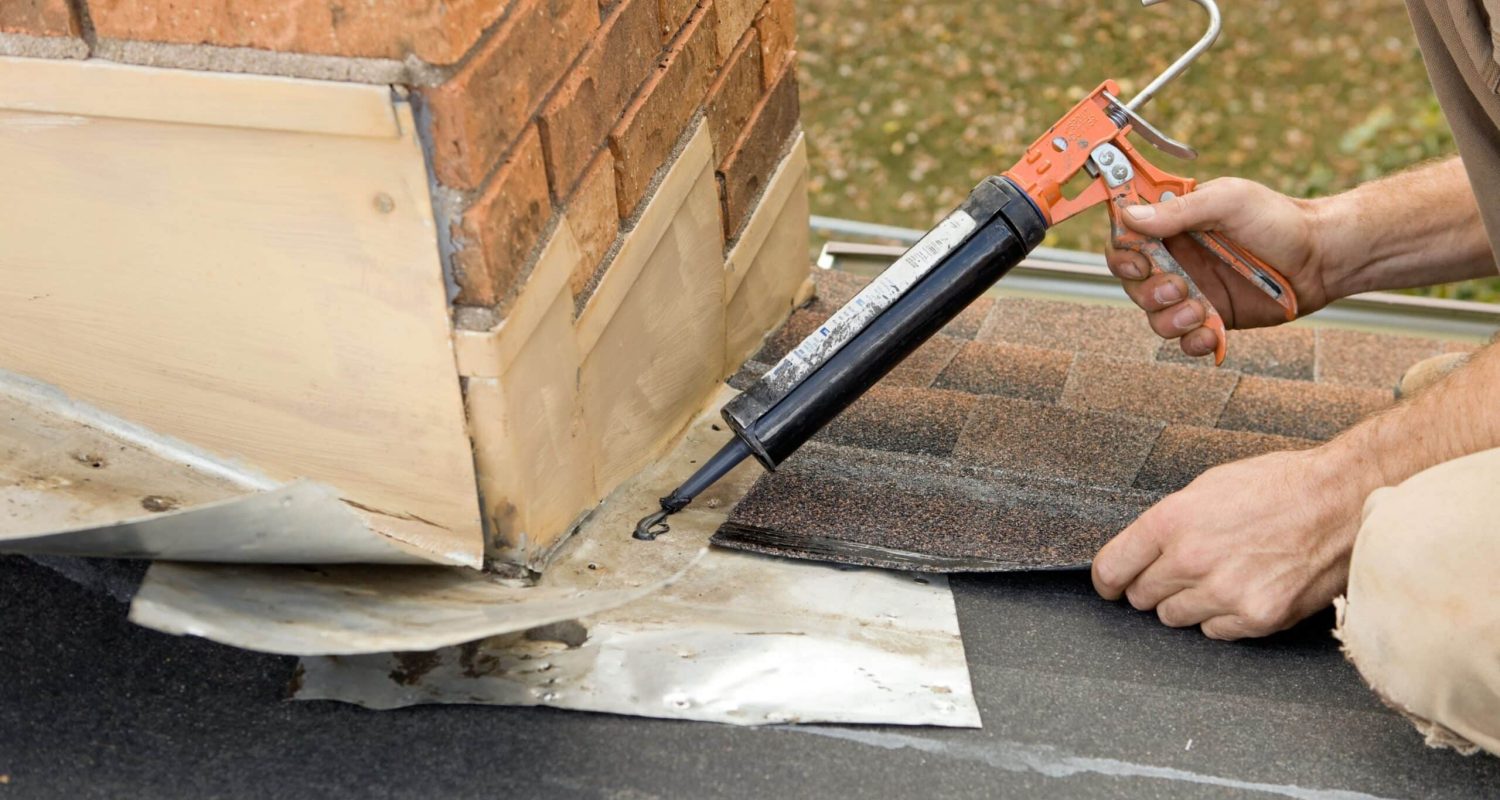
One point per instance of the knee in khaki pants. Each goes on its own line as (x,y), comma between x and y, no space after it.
(1421,620)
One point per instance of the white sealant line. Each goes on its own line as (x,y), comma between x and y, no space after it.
(1015,756)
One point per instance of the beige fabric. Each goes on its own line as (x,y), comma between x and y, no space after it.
(1429,370)
(1421,619)
(1461,45)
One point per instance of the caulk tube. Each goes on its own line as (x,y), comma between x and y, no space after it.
(981,206)
(921,292)
(922,311)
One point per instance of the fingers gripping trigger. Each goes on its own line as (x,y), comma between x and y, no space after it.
(1155,252)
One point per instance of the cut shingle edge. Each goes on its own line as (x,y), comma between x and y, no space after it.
(919,513)
(771,542)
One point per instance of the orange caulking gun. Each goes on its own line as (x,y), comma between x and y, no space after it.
(1002,220)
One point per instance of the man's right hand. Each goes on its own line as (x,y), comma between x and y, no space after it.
(1283,231)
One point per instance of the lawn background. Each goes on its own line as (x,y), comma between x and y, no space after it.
(908,104)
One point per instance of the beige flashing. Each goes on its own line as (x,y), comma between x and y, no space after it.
(789,178)
(489,353)
(101,89)
(641,242)
(531,443)
(562,412)
(767,272)
(268,295)
(653,364)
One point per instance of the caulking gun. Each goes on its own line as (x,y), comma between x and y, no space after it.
(1002,220)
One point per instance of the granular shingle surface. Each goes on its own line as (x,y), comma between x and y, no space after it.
(1165,392)
(924,364)
(1372,360)
(798,326)
(883,509)
(1031,445)
(1008,370)
(1285,351)
(968,322)
(1071,327)
(1299,408)
(1183,452)
(834,288)
(902,419)
(1046,441)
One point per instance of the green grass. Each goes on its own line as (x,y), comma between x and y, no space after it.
(909,103)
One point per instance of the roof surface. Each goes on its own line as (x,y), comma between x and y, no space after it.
(1080,699)
(1030,431)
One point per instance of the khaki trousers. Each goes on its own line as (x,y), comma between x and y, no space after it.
(1421,619)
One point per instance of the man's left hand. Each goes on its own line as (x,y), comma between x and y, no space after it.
(1247,549)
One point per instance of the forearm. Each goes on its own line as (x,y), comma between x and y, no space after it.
(1452,418)
(1416,228)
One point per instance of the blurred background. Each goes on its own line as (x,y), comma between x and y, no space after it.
(908,104)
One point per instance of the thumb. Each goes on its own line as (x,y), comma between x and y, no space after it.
(1208,208)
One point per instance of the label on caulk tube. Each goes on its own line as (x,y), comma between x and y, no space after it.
(878,295)
(849,320)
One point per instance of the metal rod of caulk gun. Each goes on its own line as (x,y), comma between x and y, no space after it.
(1215,25)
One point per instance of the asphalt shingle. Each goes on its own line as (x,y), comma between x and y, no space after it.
(1372,360)
(1183,452)
(1033,444)
(1298,408)
(1071,327)
(1008,370)
(1163,392)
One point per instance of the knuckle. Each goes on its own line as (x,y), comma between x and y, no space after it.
(1263,616)
(1165,517)
(1162,324)
(1104,577)
(1219,628)
(1193,558)
(1171,616)
(1139,600)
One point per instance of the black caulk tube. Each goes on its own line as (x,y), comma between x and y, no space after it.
(955,263)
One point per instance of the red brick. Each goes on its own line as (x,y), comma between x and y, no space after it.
(674,14)
(777,24)
(652,125)
(38,17)
(733,95)
(743,173)
(590,100)
(499,230)
(735,17)
(593,215)
(481,110)
(436,31)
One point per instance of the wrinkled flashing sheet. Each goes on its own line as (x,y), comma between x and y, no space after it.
(341,610)
(738,638)
(76,481)
(665,628)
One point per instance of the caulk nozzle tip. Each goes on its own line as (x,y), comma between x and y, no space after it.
(652,526)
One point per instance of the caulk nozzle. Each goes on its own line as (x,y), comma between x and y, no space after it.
(652,526)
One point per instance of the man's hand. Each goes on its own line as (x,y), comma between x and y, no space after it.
(1247,549)
(1282,231)
(1252,547)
